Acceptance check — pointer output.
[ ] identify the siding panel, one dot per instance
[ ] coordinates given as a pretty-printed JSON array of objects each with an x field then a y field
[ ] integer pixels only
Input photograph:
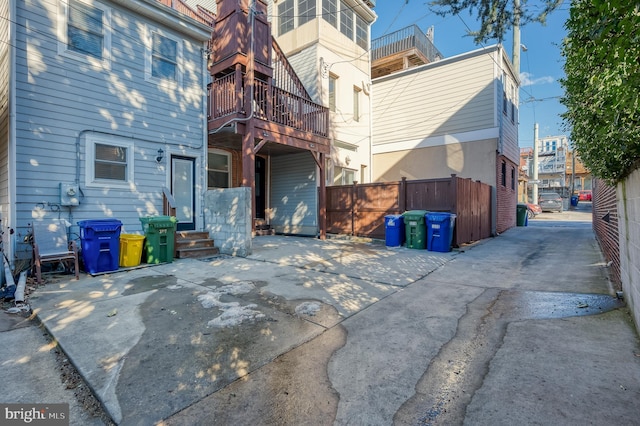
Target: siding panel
[
  {"x": 60, "y": 100},
  {"x": 434, "y": 101}
]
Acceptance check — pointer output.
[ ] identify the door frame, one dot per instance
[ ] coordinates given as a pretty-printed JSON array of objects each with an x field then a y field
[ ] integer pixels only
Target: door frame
[
  {"x": 264, "y": 195},
  {"x": 185, "y": 226}
]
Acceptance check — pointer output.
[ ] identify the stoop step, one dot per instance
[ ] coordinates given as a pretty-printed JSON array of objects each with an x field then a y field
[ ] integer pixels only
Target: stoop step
[{"x": 194, "y": 245}]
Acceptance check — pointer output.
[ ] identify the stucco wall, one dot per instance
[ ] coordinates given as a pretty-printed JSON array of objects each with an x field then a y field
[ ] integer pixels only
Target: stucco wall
[
  {"x": 475, "y": 160},
  {"x": 227, "y": 216},
  {"x": 629, "y": 238}
]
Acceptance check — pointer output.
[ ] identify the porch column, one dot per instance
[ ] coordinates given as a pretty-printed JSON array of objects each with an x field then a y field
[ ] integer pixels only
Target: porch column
[
  {"x": 322, "y": 198},
  {"x": 249, "y": 168}
]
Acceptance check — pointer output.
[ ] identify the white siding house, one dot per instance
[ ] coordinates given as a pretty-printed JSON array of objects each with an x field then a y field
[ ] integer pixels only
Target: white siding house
[
  {"x": 107, "y": 99},
  {"x": 457, "y": 115},
  {"x": 327, "y": 42}
]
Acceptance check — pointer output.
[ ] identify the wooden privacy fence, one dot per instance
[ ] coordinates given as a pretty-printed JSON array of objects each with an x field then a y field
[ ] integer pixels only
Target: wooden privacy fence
[{"x": 359, "y": 209}]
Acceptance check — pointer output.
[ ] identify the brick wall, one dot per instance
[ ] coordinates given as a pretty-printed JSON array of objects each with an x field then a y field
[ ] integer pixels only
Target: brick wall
[
  {"x": 605, "y": 226},
  {"x": 628, "y": 194},
  {"x": 506, "y": 193}
]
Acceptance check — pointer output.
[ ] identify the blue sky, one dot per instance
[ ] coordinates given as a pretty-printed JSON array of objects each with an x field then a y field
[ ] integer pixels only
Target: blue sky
[{"x": 540, "y": 66}]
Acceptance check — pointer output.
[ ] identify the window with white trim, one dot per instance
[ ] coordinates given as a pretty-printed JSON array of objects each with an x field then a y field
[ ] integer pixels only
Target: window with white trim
[
  {"x": 343, "y": 176},
  {"x": 218, "y": 169},
  {"x": 306, "y": 11},
  {"x": 362, "y": 32},
  {"x": 109, "y": 161},
  {"x": 164, "y": 57},
  {"x": 85, "y": 30},
  {"x": 346, "y": 20},
  {"x": 330, "y": 12},
  {"x": 333, "y": 83},
  {"x": 286, "y": 16}
]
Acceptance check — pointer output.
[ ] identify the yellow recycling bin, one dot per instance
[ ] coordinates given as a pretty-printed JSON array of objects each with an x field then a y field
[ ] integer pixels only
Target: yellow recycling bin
[{"x": 131, "y": 249}]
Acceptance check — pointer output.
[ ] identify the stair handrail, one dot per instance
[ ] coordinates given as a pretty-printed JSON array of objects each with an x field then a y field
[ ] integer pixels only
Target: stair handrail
[{"x": 168, "y": 202}]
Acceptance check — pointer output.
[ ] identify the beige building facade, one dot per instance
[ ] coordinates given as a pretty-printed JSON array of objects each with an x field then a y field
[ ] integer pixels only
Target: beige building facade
[{"x": 457, "y": 115}]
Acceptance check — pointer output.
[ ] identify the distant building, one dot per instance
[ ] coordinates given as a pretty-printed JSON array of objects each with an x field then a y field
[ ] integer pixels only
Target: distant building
[
  {"x": 552, "y": 162},
  {"x": 456, "y": 115}
]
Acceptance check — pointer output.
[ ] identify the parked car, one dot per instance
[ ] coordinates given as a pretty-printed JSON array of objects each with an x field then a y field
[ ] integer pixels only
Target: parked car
[
  {"x": 533, "y": 210},
  {"x": 584, "y": 195},
  {"x": 550, "y": 202}
]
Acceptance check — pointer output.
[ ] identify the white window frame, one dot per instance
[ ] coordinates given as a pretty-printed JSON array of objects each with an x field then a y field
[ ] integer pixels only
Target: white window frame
[
  {"x": 229, "y": 163},
  {"x": 308, "y": 14},
  {"x": 361, "y": 34},
  {"x": 342, "y": 175},
  {"x": 63, "y": 45},
  {"x": 286, "y": 17},
  {"x": 347, "y": 21},
  {"x": 148, "y": 58},
  {"x": 333, "y": 94},
  {"x": 330, "y": 12},
  {"x": 90, "y": 157}
]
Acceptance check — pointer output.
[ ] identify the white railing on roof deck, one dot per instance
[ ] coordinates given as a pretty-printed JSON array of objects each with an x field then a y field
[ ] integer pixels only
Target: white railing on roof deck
[{"x": 404, "y": 39}]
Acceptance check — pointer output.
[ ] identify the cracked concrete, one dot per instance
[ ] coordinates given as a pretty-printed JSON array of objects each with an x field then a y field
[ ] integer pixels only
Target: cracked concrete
[{"x": 521, "y": 328}]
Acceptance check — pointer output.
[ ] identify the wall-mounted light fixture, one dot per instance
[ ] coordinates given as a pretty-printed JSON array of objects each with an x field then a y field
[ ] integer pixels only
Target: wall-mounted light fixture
[{"x": 160, "y": 156}]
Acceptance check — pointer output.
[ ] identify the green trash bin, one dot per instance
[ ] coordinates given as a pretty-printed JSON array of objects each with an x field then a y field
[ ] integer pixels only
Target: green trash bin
[
  {"x": 521, "y": 217},
  {"x": 415, "y": 229},
  {"x": 160, "y": 234}
]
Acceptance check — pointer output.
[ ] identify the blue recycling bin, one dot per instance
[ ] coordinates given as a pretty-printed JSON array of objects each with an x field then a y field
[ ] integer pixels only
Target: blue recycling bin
[
  {"x": 440, "y": 231},
  {"x": 100, "y": 242},
  {"x": 574, "y": 200},
  {"x": 394, "y": 230}
]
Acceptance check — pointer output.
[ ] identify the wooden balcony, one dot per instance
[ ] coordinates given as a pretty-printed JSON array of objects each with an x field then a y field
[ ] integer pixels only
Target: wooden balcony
[{"x": 276, "y": 111}]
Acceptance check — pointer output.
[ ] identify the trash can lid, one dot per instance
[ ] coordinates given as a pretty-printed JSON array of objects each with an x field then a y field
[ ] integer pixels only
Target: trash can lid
[
  {"x": 101, "y": 224},
  {"x": 158, "y": 222},
  {"x": 415, "y": 213},
  {"x": 439, "y": 216}
]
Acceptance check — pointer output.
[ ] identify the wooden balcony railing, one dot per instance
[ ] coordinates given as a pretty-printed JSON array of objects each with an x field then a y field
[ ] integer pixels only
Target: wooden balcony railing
[
  {"x": 182, "y": 7},
  {"x": 269, "y": 103}
]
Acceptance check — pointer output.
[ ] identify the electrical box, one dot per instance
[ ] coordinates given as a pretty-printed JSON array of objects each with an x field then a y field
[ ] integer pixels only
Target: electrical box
[{"x": 69, "y": 194}]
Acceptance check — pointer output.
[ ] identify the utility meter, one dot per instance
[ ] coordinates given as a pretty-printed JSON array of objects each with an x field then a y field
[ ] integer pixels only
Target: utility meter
[{"x": 69, "y": 194}]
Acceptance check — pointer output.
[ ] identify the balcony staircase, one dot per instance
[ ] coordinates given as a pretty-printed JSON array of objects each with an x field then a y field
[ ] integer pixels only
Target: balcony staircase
[{"x": 194, "y": 245}]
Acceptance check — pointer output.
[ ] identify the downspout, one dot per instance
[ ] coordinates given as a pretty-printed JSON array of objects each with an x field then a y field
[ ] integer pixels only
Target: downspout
[
  {"x": 12, "y": 164},
  {"x": 370, "y": 171},
  {"x": 205, "y": 134},
  {"x": 503, "y": 78}
]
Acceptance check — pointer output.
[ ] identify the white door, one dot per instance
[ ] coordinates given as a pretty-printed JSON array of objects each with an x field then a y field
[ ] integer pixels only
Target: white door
[{"x": 183, "y": 191}]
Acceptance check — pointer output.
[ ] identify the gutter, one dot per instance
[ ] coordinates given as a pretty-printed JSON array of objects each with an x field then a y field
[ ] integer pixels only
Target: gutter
[{"x": 173, "y": 19}]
